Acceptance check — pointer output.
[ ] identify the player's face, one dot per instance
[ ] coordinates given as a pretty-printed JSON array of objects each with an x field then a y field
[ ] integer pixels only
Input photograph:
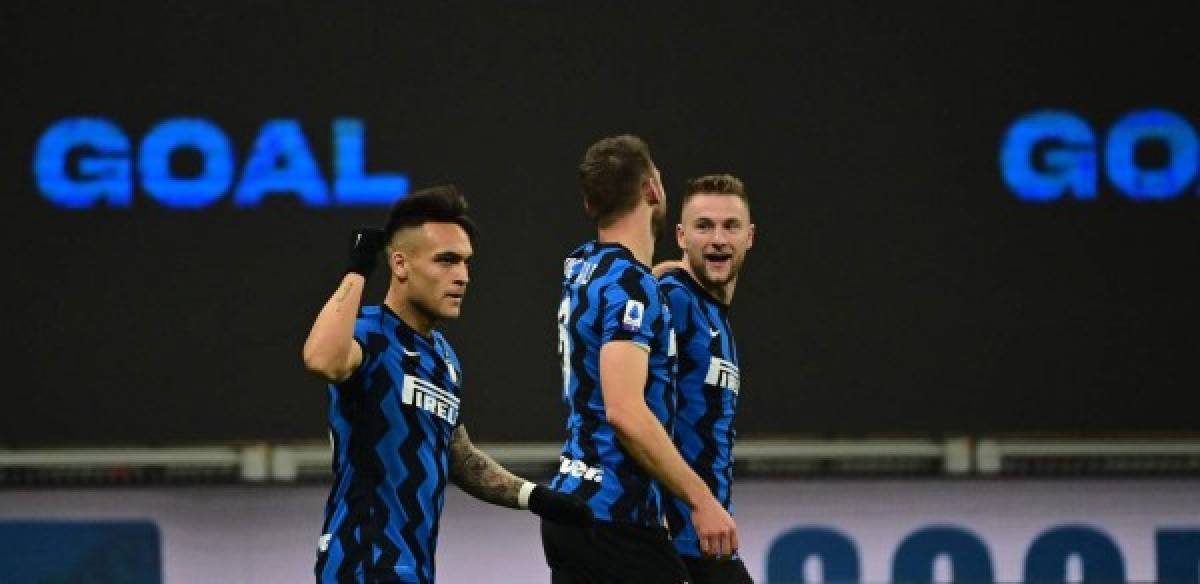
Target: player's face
[
  {"x": 437, "y": 270},
  {"x": 714, "y": 236}
]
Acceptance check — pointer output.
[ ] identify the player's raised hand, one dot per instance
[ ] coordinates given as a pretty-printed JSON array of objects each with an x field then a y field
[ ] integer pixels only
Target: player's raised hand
[
  {"x": 715, "y": 528},
  {"x": 365, "y": 244}
]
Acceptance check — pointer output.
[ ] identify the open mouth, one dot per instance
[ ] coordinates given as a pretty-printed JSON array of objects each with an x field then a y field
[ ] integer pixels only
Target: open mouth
[
  {"x": 456, "y": 295},
  {"x": 718, "y": 258}
]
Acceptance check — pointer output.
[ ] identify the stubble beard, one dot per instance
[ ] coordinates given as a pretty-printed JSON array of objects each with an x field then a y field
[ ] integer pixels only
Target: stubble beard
[{"x": 700, "y": 269}]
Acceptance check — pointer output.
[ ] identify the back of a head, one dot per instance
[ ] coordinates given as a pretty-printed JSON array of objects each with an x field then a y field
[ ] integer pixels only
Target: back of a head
[
  {"x": 611, "y": 175},
  {"x": 439, "y": 204}
]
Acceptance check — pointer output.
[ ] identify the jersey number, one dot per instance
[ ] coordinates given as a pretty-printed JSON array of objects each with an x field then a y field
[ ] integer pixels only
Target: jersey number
[{"x": 564, "y": 344}]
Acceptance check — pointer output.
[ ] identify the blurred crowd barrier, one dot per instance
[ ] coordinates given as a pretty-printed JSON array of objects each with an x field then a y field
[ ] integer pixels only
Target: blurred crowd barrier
[{"x": 786, "y": 458}]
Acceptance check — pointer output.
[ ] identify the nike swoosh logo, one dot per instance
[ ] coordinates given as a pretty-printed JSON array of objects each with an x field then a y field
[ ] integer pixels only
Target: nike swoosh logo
[{"x": 411, "y": 353}]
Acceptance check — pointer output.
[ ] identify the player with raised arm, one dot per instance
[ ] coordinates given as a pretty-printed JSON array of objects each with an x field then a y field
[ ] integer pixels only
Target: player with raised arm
[
  {"x": 714, "y": 233},
  {"x": 617, "y": 354},
  {"x": 395, "y": 387}
]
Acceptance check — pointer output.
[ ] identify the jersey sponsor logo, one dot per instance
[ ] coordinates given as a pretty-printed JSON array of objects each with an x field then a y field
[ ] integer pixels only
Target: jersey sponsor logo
[
  {"x": 422, "y": 394},
  {"x": 713, "y": 333},
  {"x": 580, "y": 470},
  {"x": 722, "y": 373},
  {"x": 634, "y": 312}
]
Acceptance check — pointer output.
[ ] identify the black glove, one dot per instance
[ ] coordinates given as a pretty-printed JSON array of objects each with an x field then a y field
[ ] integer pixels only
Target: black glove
[
  {"x": 560, "y": 508},
  {"x": 364, "y": 250}
]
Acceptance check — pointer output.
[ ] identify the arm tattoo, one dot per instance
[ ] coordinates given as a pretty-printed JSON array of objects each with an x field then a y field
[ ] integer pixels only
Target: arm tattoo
[{"x": 481, "y": 477}]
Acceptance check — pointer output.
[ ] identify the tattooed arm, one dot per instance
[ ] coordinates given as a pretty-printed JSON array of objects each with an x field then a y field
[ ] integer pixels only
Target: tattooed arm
[
  {"x": 481, "y": 477},
  {"x": 331, "y": 351}
]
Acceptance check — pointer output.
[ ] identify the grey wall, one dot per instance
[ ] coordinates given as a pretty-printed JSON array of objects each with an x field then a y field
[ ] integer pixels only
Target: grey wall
[{"x": 267, "y": 535}]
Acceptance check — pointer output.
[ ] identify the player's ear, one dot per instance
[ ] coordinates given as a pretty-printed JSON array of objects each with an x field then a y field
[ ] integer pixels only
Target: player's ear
[
  {"x": 398, "y": 262},
  {"x": 750, "y": 237},
  {"x": 651, "y": 193},
  {"x": 679, "y": 236}
]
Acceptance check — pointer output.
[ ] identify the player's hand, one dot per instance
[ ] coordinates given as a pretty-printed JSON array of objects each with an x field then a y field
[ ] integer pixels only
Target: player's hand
[
  {"x": 663, "y": 267},
  {"x": 365, "y": 244},
  {"x": 560, "y": 507},
  {"x": 715, "y": 528}
]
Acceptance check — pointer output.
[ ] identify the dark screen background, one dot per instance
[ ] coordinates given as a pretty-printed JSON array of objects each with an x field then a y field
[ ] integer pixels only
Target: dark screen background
[{"x": 896, "y": 285}]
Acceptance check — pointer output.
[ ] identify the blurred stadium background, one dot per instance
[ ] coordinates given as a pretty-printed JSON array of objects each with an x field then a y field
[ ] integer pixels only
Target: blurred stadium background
[{"x": 969, "y": 323}]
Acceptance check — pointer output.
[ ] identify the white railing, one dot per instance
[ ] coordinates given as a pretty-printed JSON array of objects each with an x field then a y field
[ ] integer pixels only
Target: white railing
[
  {"x": 285, "y": 462},
  {"x": 990, "y": 454}
]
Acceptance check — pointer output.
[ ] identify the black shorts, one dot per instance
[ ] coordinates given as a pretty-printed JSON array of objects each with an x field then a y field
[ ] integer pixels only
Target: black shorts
[
  {"x": 611, "y": 553},
  {"x": 714, "y": 571}
]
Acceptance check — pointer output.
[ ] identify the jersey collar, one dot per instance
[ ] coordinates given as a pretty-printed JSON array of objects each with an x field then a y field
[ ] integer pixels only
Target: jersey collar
[
  {"x": 686, "y": 277},
  {"x": 406, "y": 328},
  {"x": 621, "y": 249}
]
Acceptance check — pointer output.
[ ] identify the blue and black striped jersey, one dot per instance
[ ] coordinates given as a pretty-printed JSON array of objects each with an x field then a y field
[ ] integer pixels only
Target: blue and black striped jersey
[
  {"x": 391, "y": 424},
  {"x": 607, "y": 295},
  {"x": 706, "y": 397}
]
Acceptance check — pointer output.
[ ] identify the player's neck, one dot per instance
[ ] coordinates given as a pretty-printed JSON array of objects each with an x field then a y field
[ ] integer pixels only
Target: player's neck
[
  {"x": 723, "y": 293},
  {"x": 416, "y": 319},
  {"x": 634, "y": 231},
  {"x": 726, "y": 295}
]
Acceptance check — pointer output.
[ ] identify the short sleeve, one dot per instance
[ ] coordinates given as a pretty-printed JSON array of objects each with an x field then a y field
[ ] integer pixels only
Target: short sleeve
[
  {"x": 631, "y": 306},
  {"x": 369, "y": 340}
]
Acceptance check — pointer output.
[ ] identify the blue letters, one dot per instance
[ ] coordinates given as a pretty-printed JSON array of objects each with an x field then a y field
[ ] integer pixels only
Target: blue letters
[
  {"x": 80, "y": 163},
  {"x": 1067, "y": 163},
  {"x": 1178, "y": 556},
  {"x": 1046, "y": 561},
  {"x": 1061, "y": 554},
  {"x": 281, "y": 162},
  {"x": 789, "y": 552},
  {"x": 103, "y": 169},
  {"x": 967, "y": 555},
  {"x": 1183, "y": 157},
  {"x": 1048, "y": 154},
  {"x": 155, "y": 163},
  {"x": 352, "y": 185}
]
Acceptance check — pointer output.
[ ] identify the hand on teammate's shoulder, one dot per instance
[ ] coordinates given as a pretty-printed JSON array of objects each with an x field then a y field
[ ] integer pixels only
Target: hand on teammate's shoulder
[{"x": 662, "y": 268}]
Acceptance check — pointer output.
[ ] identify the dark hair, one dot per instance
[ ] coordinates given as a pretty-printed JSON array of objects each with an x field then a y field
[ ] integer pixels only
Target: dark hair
[
  {"x": 611, "y": 174},
  {"x": 719, "y": 184},
  {"x": 440, "y": 204}
]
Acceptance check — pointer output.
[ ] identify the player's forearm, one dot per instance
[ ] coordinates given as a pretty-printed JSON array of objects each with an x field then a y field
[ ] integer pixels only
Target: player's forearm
[
  {"x": 480, "y": 476},
  {"x": 647, "y": 441},
  {"x": 330, "y": 342}
]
